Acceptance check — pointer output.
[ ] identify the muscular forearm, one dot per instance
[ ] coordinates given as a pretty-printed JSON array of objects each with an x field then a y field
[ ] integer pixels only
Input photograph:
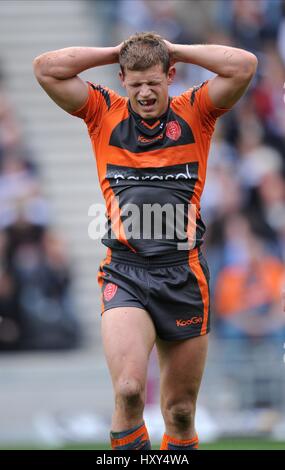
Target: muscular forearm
[
  {"x": 66, "y": 63},
  {"x": 222, "y": 60}
]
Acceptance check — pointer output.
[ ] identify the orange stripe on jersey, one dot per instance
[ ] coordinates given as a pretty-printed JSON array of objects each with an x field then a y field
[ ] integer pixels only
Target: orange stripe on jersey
[
  {"x": 107, "y": 260},
  {"x": 150, "y": 126},
  {"x": 114, "y": 212},
  {"x": 203, "y": 286},
  {"x": 152, "y": 158}
]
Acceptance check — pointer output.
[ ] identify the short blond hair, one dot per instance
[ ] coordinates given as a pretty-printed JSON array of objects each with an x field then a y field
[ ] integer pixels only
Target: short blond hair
[{"x": 143, "y": 50}]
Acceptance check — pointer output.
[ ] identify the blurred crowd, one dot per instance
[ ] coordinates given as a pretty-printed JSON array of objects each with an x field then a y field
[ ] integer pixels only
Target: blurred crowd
[
  {"x": 36, "y": 307},
  {"x": 244, "y": 198}
]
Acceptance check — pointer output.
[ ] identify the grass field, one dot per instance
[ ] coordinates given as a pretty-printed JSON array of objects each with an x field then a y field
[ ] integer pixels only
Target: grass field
[{"x": 226, "y": 444}]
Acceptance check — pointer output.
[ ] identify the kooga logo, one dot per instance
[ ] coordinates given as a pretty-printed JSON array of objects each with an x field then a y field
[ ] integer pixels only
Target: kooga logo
[{"x": 191, "y": 321}]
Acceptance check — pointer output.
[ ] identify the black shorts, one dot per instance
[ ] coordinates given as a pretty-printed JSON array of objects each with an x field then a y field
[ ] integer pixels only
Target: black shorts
[{"x": 173, "y": 288}]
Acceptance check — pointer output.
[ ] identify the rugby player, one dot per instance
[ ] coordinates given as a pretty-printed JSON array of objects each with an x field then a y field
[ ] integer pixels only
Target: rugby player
[{"x": 151, "y": 149}]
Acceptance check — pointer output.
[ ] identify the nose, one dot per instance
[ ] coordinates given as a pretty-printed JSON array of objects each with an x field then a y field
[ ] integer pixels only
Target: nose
[{"x": 144, "y": 91}]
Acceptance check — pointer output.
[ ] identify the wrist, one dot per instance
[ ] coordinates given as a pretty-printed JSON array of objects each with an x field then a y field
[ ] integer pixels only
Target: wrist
[
  {"x": 174, "y": 53},
  {"x": 116, "y": 51},
  {"x": 181, "y": 52}
]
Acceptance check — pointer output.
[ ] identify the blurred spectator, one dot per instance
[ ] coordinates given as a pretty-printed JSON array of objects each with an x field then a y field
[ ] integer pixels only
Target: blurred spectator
[
  {"x": 9, "y": 315},
  {"x": 281, "y": 34},
  {"x": 43, "y": 278},
  {"x": 148, "y": 15},
  {"x": 268, "y": 100},
  {"x": 16, "y": 179},
  {"x": 248, "y": 288},
  {"x": 36, "y": 292},
  {"x": 250, "y": 22}
]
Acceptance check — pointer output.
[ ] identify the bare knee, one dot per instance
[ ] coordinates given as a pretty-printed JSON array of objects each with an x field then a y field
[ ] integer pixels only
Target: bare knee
[
  {"x": 130, "y": 395},
  {"x": 179, "y": 415}
]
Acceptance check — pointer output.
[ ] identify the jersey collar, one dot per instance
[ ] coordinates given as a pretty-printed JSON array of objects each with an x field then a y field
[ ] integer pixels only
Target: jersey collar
[{"x": 150, "y": 127}]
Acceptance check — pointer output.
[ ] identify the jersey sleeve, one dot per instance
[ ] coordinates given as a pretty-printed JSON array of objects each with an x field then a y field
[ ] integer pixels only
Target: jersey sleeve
[
  {"x": 99, "y": 101},
  {"x": 200, "y": 103}
]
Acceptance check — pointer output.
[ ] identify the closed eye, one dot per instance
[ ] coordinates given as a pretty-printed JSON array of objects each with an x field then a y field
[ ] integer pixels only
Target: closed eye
[{"x": 135, "y": 85}]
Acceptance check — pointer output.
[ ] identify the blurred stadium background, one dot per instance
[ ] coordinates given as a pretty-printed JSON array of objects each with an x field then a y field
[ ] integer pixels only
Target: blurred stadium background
[{"x": 54, "y": 385}]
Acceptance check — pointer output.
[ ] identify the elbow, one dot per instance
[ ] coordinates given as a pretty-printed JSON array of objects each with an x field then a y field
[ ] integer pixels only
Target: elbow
[
  {"x": 252, "y": 64},
  {"x": 42, "y": 66},
  {"x": 39, "y": 66},
  {"x": 248, "y": 66}
]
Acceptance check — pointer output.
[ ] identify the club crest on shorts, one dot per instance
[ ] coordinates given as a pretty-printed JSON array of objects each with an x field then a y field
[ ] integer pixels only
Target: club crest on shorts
[
  {"x": 173, "y": 130},
  {"x": 109, "y": 291}
]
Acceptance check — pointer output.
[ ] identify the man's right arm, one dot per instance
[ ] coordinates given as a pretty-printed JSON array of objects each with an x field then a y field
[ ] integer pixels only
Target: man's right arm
[{"x": 57, "y": 71}]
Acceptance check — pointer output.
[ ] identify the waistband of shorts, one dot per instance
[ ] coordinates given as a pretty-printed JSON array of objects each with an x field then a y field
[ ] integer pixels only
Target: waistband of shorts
[{"x": 163, "y": 259}]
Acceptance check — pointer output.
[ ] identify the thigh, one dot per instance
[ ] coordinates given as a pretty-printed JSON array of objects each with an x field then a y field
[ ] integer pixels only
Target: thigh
[
  {"x": 128, "y": 336},
  {"x": 181, "y": 365}
]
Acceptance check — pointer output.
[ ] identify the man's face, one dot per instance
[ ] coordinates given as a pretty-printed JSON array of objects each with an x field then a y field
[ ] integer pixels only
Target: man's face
[{"x": 148, "y": 90}]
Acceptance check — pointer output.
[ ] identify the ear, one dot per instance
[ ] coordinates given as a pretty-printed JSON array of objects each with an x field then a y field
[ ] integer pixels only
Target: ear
[
  {"x": 171, "y": 74},
  {"x": 122, "y": 79}
]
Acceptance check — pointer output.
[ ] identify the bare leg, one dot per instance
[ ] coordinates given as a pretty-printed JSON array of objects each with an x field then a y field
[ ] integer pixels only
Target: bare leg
[
  {"x": 182, "y": 365},
  {"x": 128, "y": 337}
]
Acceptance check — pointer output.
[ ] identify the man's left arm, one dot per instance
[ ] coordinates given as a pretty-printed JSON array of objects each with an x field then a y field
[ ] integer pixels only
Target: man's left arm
[{"x": 234, "y": 68}]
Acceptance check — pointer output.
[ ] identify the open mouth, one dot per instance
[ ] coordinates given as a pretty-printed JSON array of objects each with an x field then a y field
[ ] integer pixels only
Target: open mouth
[{"x": 147, "y": 103}]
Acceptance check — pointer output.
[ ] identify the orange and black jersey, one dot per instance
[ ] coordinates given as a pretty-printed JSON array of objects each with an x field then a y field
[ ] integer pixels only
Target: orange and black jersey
[{"x": 147, "y": 165}]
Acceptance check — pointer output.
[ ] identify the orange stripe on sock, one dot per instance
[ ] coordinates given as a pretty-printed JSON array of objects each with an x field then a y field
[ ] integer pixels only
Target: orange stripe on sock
[
  {"x": 141, "y": 432},
  {"x": 178, "y": 442}
]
